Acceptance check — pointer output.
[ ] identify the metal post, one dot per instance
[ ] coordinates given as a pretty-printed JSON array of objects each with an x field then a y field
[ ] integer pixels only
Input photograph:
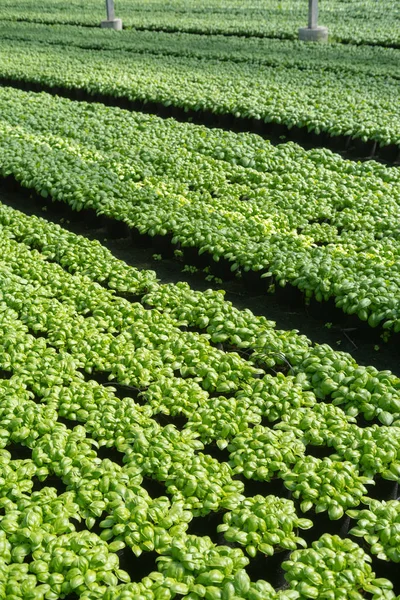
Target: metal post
[
  {"x": 312, "y": 14},
  {"x": 110, "y": 10}
]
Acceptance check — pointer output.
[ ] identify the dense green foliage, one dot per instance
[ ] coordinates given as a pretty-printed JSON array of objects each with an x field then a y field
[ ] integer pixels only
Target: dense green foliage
[
  {"x": 362, "y": 104},
  {"x": 372, "y": 60},
  {"x": 157, "y": 443},
  {"x": 354, "y": 21},
  {"x": 75, "y": 458},
  {"x": 379, "y": 527},
  {"x": 311, "y": 219}
]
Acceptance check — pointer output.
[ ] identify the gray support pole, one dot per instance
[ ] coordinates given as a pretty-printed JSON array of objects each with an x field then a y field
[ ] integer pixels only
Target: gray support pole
[
  {"x": 112, "y": 22},
  {"x": 312, "y": 14},
  {"x": 110, "y": 10},
  {"x": 313, "y": 33}
]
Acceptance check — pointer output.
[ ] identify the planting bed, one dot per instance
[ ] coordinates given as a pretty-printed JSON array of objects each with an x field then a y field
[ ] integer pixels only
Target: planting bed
[
  {"x": 220, "y": 407},
  {"x": 336, "y": 57},
  {"x": 309, "y": 223},
  {"x": 360, "y": 105},
  {"x": 162, "y": 438},
  {"x": 350, "y": 21},
  {"x": 363, "y": 343}
]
